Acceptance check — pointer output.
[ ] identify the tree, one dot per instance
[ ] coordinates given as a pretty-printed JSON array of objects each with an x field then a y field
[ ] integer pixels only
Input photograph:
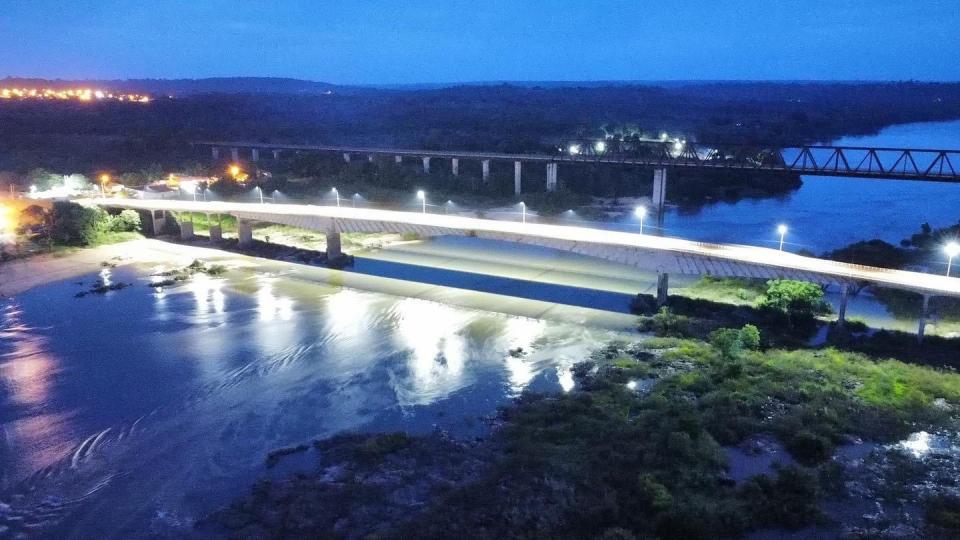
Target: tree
[
  {"x": 794, "y": 298},
  {"x": 75, "y": 225}
]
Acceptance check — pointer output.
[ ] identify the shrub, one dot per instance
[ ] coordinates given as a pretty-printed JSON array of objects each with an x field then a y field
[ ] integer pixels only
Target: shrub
[
  {"x": 750, "y": 337},
  {"x": 809, "y": 448},
  {"x": 727, "y": 341},
  {"x": 75, "y": 225},
  {"x": 794, "y": 298},
  {"x": 125, "y": 221}
]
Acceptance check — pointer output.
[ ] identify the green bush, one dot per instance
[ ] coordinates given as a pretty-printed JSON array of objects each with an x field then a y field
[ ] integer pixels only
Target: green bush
[
  {"x": 800, "y": 299},
  {"x": 75, "y": 225},
  {"x": 125, "y": 221},
  {"x": 750, "y": 337},
  {"x": 727, "y": 341}
]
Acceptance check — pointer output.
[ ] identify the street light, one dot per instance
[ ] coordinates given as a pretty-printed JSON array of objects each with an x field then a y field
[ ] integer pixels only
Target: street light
[
  {"x": 260, "y": 191},
  {"x": 523, "y": 211},
  {"x": 782, "y": 230},
  {"x": 574, "y": 149},
  {"x": 600, "y": 147},
  {"x": 640, "y": 212},
  {"x": 337, "y": 195},
  {"x": 104, "y": 178},
  {"x": 423, "y": 198},
  {"x": 952, "y": 249},
  {"x": 234, "y": 171}
]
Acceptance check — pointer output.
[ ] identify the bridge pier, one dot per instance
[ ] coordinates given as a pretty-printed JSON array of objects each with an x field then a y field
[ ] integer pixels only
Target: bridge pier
[
  {"x": 346, "y": 157},
  {"x": 455, "y": 166},
  {"x": 276, "y": 155},
  {"x": 426, "y": 165},
  {"x": 216, "y": 231},
  {"x": 551, "y": 176},
  {"x": 663, "y": 280},
  {"x": 842, "y": 309},
  {"x": 924, "y": 315},
  {"x": 398, "y": 159},
  {"x": 255, "y": 154},
  {"x": 244, "y": 232},
  {"x": 235, "y": 155},
  {"x": 215, "y": 152},
  {"x": 186, "y": 227},
  {"x": 159, "y": 221},
  {"x": 516, "y": 177},
  {"x": 370, "y": 158},
  {"x": 660, "y": 195},
  {"x": 333, "y": 246}
]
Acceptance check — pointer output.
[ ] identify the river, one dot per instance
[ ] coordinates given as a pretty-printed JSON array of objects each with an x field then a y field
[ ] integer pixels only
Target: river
[{"x": 134, "y": 413}]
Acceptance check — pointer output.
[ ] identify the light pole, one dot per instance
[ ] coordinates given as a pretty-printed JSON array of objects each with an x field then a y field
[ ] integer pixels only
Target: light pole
[
  {"x": 337, "y": 195},
  {"x": 952, "y": 249},
  {"x": 104, "y": 178},
  {"x": 523, "y": 211},
  {"x": 782, "y": 229},
  {"x": 423, "y": 199},
  {"x": 260, "y": 191},
  {"x": 640, "y": 212}
]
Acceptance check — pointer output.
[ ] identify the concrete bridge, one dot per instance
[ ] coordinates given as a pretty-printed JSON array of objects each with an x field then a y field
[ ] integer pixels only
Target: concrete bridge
[
  {"x": 659, "y": 154},
  {"x": 665, "y": 255}
]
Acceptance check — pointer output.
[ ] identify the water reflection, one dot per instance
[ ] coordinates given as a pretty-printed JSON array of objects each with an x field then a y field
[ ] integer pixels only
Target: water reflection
[{"x": 271, "y": 306}]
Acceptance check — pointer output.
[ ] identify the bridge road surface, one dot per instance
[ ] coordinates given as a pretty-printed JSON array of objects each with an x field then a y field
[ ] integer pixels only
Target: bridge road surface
[{"x": 663, "y": 254}]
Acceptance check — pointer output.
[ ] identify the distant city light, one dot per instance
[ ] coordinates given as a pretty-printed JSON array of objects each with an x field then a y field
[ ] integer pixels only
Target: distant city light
[{"x": 70, "y": 94}]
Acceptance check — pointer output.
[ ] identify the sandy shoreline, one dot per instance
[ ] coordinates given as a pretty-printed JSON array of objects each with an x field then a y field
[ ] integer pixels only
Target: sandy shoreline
[{"x": 22, "y": 275}]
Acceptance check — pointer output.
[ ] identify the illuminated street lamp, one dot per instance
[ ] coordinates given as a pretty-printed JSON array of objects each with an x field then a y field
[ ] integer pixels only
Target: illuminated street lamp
[
  {"x": 640, "y": 212},
  {"x": 260, "y": 191},
  {"x": 337, "y": 195},
  {"x": 104, "y": 179},
  {"x": 952, "y": 249},
  {"x": 423, "y": 199},
  {"x": 234, "y": 171},
  {"x": 600, "y": 147},
  {"x": 782, "y": 230},
  {"x": 574, "y": 149},
  {"x": 523, "y": 211}
]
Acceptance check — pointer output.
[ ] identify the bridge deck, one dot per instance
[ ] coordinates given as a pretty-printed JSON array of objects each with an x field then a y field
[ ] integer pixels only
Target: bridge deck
[{"x": 667, "y": 254}]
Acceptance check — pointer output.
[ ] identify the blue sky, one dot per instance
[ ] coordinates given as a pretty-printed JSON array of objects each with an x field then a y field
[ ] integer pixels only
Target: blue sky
[{"x": 371, "y": 41}]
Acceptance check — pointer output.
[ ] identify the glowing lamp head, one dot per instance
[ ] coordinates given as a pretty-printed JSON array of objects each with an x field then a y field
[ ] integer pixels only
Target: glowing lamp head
[
  {"x": 600, "y": 147},
  {"x": 952, "y": 249},
  {"x": 640, "y": 212},
  {"x": 234, "y": 171},
  {"x": 523, "y": 204},
  {"x": 781, "y": 229},
  {"x": 574, "y": 149},
  {"x": 334, "y": 191},
  {"x": 421, "y": 195},
  {"x": 104, "y": 178}
]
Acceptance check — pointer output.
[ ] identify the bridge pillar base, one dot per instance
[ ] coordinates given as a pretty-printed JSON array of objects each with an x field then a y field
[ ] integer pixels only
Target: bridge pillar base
[
  {"x": 924, "y": 314},
  {"x": 842, "y": 310},
  {"x": 216, "y": 233},
  {"x": 485, "y": 168},
  {"x": 215, "y": 152},
  {"x": 186, "y": 230},
  {"x": 346, "y": 157},
  {"x": 516, "y": 178},
  {"x": 426, "y": 165},
  {"x": 455, "y": 167},
  {"x": 334, "y": 251},
  {"x": 276, "y": 154},
  {"x": 398, "y": 159},
  {"x": 235, "y": 155},
  {"x": 660, "y": 195},
  {"x": 255, "y": 154},
  {"x": 663, "y": 280},
  {"x": 158, "y": 220},
  {"x": 244, "y": 232},
  {"x": 551, "y": 176}
]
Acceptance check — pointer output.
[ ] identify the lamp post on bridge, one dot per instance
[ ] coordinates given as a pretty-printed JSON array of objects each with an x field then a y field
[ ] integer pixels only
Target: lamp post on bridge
[
  {"x": 337, "y": 195},
  {"x": 423, "y": 199},
  {"x": 782, "y": 229},
  {"x": 523, "y": 211},
  {"x": 952, "y": 249},
  {"x": 641, "y": 212}
]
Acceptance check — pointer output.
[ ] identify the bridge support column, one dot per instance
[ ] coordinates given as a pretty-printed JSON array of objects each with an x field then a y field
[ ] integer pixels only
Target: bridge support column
[
  {"x": 235, "y": 155},
  {"x": 398, "y": 159},
  {"x": 663, "y": 280},
  {"x": 516, "y": 177},
  {"x": 215, "y": 152},
  {"x": 186, "y": 227},
  {"x": 216, "y": 231},
  {"x": 276, "y": 154},
  {"x": 485, "y": 170},
  {"x": 244, "y": 232},
  {"x": 159, "y": 219},
  {"x": 255, "y": 154},
  {"x": 551, "y": 176},
  {"x": 426, "y": 165},
  {"x": 346, "y": 157},
  {"x": 924, "y": 314},
  {"x": 455, "y": 166},
  {"x": 660, "y": 195},
  {"x": 333, "y": 246},
  {"x": 842, "y": 310},
  {"x": 370, "y": 158}
]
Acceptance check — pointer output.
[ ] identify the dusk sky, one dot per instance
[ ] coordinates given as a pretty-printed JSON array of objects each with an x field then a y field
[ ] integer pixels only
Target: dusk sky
[{"x": 370, "y": 42}]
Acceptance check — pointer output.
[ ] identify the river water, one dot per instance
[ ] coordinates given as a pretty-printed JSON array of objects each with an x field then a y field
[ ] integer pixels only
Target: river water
[{"x": 134, "y": 413}]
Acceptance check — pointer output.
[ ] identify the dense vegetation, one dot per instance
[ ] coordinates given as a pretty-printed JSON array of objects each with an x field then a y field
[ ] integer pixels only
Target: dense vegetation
[{"x": 71, "y": 224}]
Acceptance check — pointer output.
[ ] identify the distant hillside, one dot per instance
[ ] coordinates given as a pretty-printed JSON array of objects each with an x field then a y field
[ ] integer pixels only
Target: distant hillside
[{"x": 186, "y": 87}]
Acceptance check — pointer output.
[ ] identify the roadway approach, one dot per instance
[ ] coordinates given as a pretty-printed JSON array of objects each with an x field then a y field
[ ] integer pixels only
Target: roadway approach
[{"x": 665, "y": 255}]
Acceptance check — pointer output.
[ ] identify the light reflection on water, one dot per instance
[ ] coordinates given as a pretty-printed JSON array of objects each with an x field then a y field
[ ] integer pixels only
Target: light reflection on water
[{"x": 165, "y": 402}]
